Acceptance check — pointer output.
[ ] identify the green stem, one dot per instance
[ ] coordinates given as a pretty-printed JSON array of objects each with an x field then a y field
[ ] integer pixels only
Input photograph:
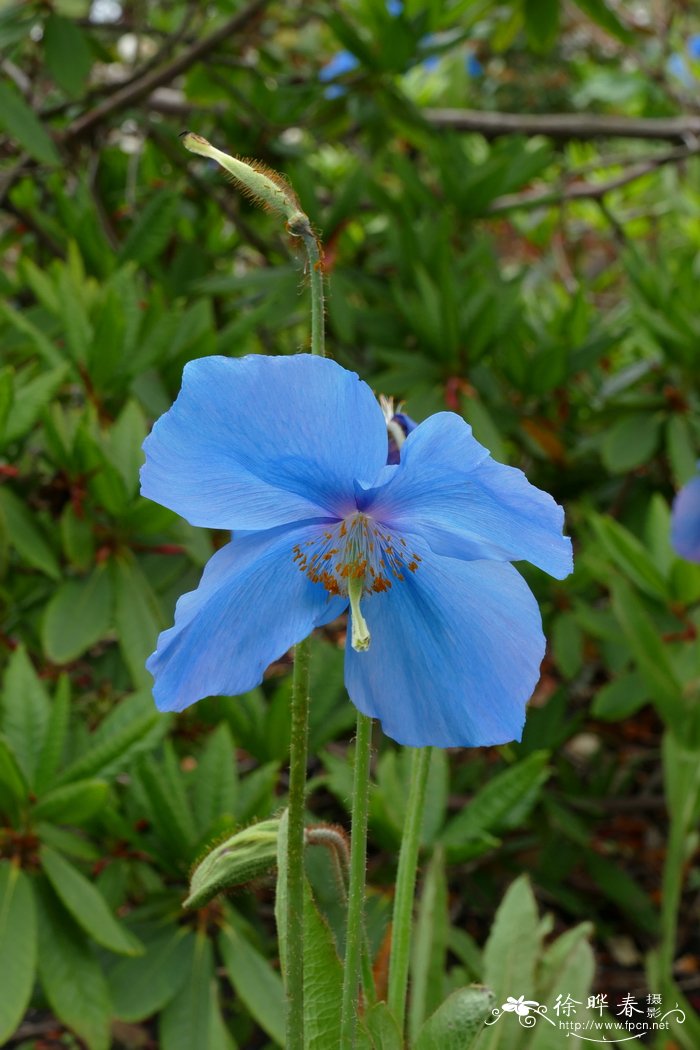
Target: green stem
[
  {"x": 300, "y": 730},
  {"x": 313, "y": 254},
  {"x": 295, "y": 848},
  {"x": 356, "y": 888},
  {"x": 402, "y": 921}
]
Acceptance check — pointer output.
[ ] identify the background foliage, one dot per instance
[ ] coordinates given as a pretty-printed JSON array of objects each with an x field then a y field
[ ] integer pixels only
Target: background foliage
[{"x": 543, "y": 286}]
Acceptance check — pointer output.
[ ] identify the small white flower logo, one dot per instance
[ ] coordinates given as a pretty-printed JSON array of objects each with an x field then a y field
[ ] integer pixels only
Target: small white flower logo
[{"x": 520, "y": 1006}]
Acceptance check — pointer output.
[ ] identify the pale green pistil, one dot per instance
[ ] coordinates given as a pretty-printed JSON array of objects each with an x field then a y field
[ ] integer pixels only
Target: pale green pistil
[{"x": 360, "y": 637}]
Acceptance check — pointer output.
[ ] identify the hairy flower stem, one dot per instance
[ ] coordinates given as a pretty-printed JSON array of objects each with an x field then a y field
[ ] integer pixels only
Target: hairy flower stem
[
  {"x": 354, "y": 938},
  {"x": 295, "y": 848},
  {"x": 402, "y": 921},
  {"x": 313, "y": 254},
  {"x": 299, "y": 226}
]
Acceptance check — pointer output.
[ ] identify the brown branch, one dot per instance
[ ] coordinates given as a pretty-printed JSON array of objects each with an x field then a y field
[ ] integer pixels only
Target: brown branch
[
  {"x": 136, "y": 90},
  {"x": 589, "y": 190},
  {"x": 565, "y": 126}
]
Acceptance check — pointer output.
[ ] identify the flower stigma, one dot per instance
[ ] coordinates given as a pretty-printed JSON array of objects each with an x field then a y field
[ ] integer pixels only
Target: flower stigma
[
  {"x": 360, "y": 636},
  {"x": 356, "y": 557}
]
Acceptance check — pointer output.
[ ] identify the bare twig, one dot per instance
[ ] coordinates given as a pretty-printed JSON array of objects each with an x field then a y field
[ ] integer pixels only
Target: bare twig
[
  {"x": 133, "y": 92},
  {"x": 566, "y": 126},
  {"x": 590, "y": 190}
]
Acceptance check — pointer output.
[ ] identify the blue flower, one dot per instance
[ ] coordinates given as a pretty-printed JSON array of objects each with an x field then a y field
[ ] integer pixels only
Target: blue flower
[
  {"x": 291, "y": 454},
  {"x": 685, "y": 521},
  {"x": 341, "y": 63}
]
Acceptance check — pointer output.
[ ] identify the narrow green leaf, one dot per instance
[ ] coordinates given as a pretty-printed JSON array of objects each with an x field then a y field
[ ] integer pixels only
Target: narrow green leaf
[
  {"x": 603, "y": 15},
  {"x": 505, "y": 799},
  {"x": 620, "y": 698},
  {"x": 137, "y": 616},
  {"x": 429, "y": 947},
  {"x": 68, "y": 54},
  {"x": 619, "y": 887},
  {"x": 41, "y": 343},
  {"x": 323, "y": 971},
  {"x": 87, "y": 905},
  {"x": 25, "y": 712},
  {"x": 630, "y": 442},
  {"x": 514, "y": 942},
  {"x": 629, "y": 555},
  {"x": 170, "y": 807},
  {"x": 142, "y": 986},
  {"x": 381, "y": 1029},
  {"x": 31, "y": 398},
  {"x": 25, "y": 537},
  {"x": 71, "y": 976},
  {"x": 112, "y": 753},
  {"x": 152, "y": 229},
  {"x": 541, "y": 24},
  {"x": 78, "y": 615},
  {"x": 72, "y": 803},
  {"x": 214, "y": 794},
  {"x": 257, "y": 985},
  {"x": 17, "y": 119},
  {"x": 13, "y": 787},
  {"x": 186, "y": 1021},
  {"x": 18, "y": 946},
  {"x": 649, "y": 651}
]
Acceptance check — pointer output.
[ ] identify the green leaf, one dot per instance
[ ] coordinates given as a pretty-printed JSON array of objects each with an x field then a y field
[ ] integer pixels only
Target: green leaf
[
  {"x": 68, "y": 54},
  {"x": 138, "y": 617},
  {"x": 44, "y": 347},
  {"x": 20, "y": 123},
  {"x": 77, "y": 538},
  {"x": 111, "y": 753},
  {"x": 18, "y": 946},
  {"x": 152, "y": 229},
  {"x": 502, "y": 803},
  {"x": 630, "y": 442},
  {"x": 186, "y": 1020},
  {"x": 13, "y": 787},
  {"x": 681, "y": 446},
  {"x": 541, "y": 24},
  {"x": 25, "y": 537},
  {"x": 619, "y": 887},
  {"x": 87, "y": 905},
  {"x": 429, "y": 947},
  {"x": 72, "y": 803},
  {"x": 31, "y": 398},
  {"x": 71, "y": 976},
  {"x": 620, "y": 698},
  {"x": 458, "y": 1020},
  {"x": 78, "y": 615},
  {"x": 600, "y": 13},
  {"x": 142, "y": 986},
  {"x": 256, "y": 984},
  {"x": 629, "y": 555},
  {"x": 567, "y": 644},
  {"x": 568, "y": 963},
  {"x": 380, "y": 1027},
  {"x": 6, "y": 400},
  {"x": 25, "y": 712},
  {"x": 513, "y": 944},
  {"x": 170, "y": 807},
  {"x": 215, "y": 783},
  {"x": 652, "y": 658},
  {"x": 323, "y": 971}
]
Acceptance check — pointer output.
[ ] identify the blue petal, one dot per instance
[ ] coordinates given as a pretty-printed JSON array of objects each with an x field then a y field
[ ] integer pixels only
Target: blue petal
[
  {"x": 454, "y": 655},
  {"x": 465, "y": 504},
  {"x": 685, "y": 521},
  {"x": 255, "y": 442},
  {"x": 251, "y": 606}
]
